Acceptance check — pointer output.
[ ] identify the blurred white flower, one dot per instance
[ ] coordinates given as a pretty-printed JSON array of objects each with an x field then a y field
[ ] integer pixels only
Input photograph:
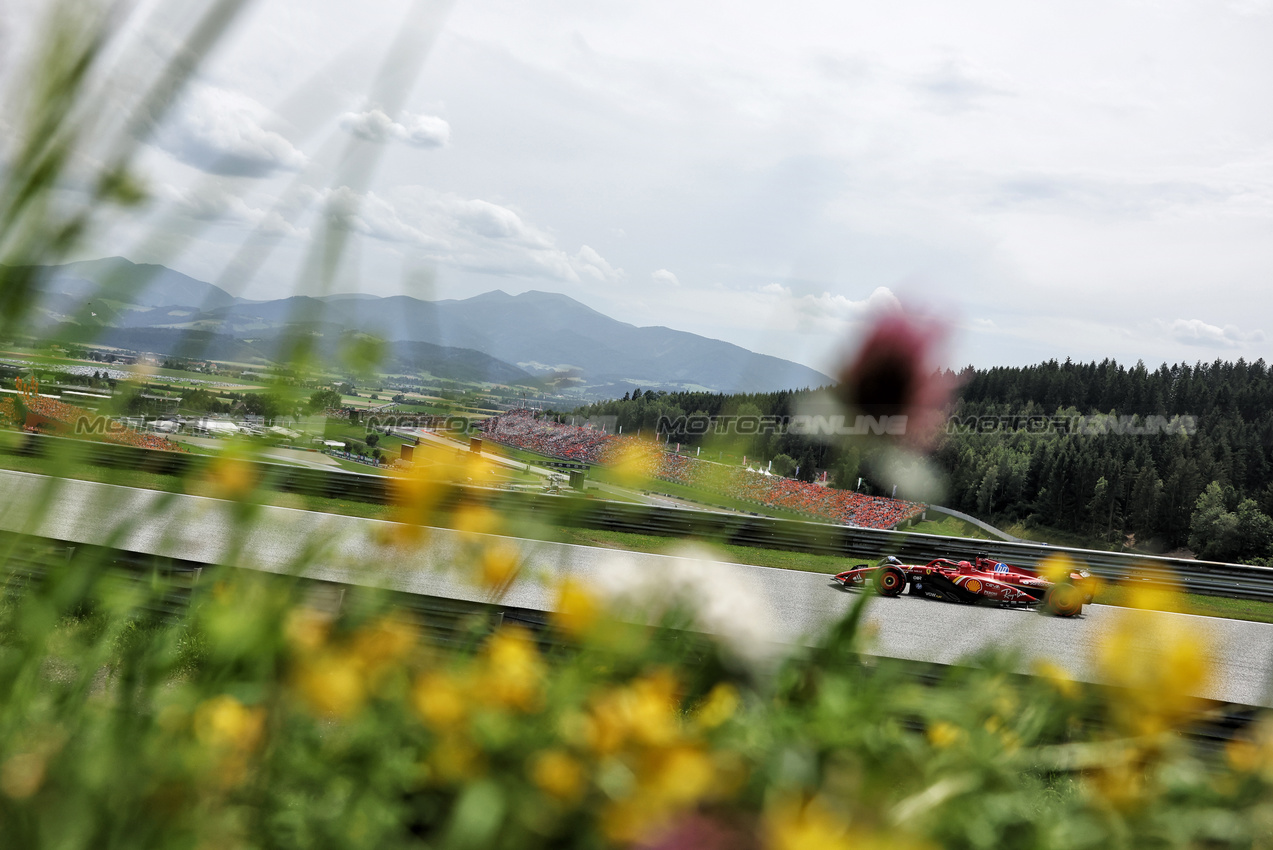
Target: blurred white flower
[{"x": 722, "y": 600}]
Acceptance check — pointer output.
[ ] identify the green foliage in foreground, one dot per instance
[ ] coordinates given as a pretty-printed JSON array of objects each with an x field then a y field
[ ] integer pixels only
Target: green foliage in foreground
[
  {"x": 259, "y": 717},
  {"x": 259, "y": 711}
]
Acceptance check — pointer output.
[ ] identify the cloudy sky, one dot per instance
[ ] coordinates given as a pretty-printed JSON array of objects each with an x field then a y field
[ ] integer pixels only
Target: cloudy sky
[{"x": 1056, "y": 179}]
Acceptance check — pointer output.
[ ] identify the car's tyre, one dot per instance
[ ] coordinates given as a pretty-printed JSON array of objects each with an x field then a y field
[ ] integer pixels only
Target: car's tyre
[
  {"x": 1063, "y": 600},
  {"x": 890, "y": 581}
]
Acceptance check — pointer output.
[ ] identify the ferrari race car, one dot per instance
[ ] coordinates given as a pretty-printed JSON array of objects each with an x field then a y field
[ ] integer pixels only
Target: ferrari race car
[{"x": 982, "y": 580}]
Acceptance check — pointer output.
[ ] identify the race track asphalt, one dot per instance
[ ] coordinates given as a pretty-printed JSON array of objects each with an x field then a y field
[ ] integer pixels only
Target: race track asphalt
[{"x": 787, "y": 606}]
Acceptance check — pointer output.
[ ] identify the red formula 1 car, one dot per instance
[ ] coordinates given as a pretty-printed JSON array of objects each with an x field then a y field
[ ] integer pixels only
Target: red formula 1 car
[{"x": 982, "y": 580}]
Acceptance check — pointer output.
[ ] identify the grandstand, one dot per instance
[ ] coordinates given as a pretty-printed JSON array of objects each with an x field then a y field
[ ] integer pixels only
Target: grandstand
[
  {"x": 50, "y": 415},
  {"x": 524, "y": 430}
]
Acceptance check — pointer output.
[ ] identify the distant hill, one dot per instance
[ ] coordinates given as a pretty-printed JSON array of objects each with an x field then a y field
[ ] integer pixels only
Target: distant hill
[
  {"x": 543, "y": 334},
  {"x": 138, "y": 285},
  {"x": 403, "y": 357}
]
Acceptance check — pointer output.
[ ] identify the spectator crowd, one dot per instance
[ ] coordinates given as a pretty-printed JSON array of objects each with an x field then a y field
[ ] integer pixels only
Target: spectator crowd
[
  {"x": 54, "y": 416},
  {"x": 521, "y": 428},
  {"x": 524, "y": 430}
]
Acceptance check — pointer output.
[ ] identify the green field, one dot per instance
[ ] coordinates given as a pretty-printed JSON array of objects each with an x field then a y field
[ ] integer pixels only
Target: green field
[
  {"x": 949, "y": 526},
  {"x": 343, "y": 429},
  {"x": 706, "y": 498},
  {"x": 55, "y": 362}
]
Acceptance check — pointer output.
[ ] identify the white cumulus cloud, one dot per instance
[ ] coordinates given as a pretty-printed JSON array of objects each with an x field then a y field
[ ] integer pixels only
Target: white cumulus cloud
[
  {"x": 590, "y": 265},
  {"x": 1200, "y": 333},
  {"x": 223, "y": 132},
  {"x": 828, "y": 305},
  {"x": 420, "y": 131},
  {"x": 494, "y": 221},
  {"x": 665, "y": 276},
  {"x": 213, "y": 203},
  {"x": 371, "y": 215},
  {"x": 468, "y": 233},
  {"x": 825, "y": 311}
]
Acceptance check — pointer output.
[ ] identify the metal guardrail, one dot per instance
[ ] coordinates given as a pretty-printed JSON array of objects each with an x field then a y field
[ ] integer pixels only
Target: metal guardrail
[{"x": 1205, "y": 578}]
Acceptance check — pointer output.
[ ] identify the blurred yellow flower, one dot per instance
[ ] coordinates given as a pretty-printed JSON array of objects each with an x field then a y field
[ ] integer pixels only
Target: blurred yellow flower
[
  {"x": 668, "y": 782},
  {"x": 382, "y": 643},
  {"x": 306, "y": 629},
  {"x": 231, "y": 477},
  {"x": 577, "y": 609},
  {"x": 232, "y": 731},
  {"x": 628, "y": 821},
  {"x": 1245, "y": 756},
  {"x": 471, "y": 520},
  {"x": 476, "y": 468},
  {"x": 631, "y": 463},
  {"x": 22, "y": 774},
  {"x": 439, "y": 698},
  {"x": 514, "y": 673},
  {"x": 1057, "y": 567},
  {"x": 676, "y": 776},
  {"x": 812, "y": 826},
  {"x": 558, "y": 774},
  {"x": 334, "y": 680},
  {"x": 224, "y": 722},
  {"x": 720, "y": 704},
  {"x": 645, "y": 711},
  {"x": 944, "y": 734},
  {"x": 331, "y": 683},
  {"x": 415, "y": 498},
  {"x": 1121, "y": 782},
  {"x": 653, "y": 707},
  {"x": 1160, "y": 659},
  {"x": 1155, "y": 595},
  {"x": 1057, "y": 677},
  {"x": 500, "y": 564},
  {"x": 1254, "y": 753}
]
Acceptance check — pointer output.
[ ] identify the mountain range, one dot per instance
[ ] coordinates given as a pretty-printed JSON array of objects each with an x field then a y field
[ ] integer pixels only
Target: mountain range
[{"x": 534, "y": 338}]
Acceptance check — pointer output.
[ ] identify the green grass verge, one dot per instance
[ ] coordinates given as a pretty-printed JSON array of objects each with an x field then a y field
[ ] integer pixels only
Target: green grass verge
[
  {"x": 1202, "y": 606},
  {"x": 1056, "y": 537},
  {"x": 355, "y": 466},
  {"x": 829, "y": 564},
  {"x": 342, "y": 429},
  {"x": 706, "y": 498},
  {"x": 193, "y": 486},
  {"x": 949, "y": 526}
]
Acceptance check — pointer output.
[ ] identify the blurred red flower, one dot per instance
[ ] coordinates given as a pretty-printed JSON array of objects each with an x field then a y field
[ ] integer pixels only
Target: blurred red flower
[
  {"x": 896, "y": 373},
  {"x": 704, "y": 832}
]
